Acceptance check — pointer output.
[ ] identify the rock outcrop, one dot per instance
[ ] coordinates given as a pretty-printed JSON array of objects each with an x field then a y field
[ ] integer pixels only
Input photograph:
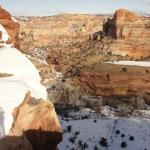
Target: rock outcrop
[
  {"x": 126, "y": 24},
  {"x": 37, "y": 121},
  {"x": 132, "y": 33},
  {"x": 11, "y": 26}
]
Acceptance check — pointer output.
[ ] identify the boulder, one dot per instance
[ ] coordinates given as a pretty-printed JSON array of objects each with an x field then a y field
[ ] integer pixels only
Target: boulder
[{"x": 38, "y": 122}]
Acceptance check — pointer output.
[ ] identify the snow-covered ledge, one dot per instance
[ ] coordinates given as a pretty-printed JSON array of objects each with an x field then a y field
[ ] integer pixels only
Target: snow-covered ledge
[
  {"x": 13, "y": 89},
  {"x": 131, "y": 63}
]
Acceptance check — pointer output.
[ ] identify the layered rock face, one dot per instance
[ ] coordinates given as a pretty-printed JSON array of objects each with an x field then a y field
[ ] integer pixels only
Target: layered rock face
[
  {"x": 130, "y": 25},
  {"x": 11, "y": 26},
  {"x": 132, "y": 33},
  {"x": 37, "y": 121},
  {"x": 65, "y": 40},
  {"x": 54, "y": 32},
  {"x": 76, "y": 46}
]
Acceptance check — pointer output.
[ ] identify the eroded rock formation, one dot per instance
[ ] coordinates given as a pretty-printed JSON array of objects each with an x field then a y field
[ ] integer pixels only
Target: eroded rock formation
[
  {"x": 76, "y": 45},
  {"x": 38, "y": 122},
  {"x": 132, "y": 32},
  {"x": 11, "y": 26}
]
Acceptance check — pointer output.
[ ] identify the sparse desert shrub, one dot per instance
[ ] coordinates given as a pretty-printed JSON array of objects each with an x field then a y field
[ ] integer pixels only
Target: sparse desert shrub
[
  {"x": 77, "y": 133},
  {"x": 131, "y": 138},
  {"x": 69, "y": 128},
  {"x": 122, "y": 135},
  {"x": 117, "y": 131},
  {"x": 123, "y": 144},
  {"x": 103, "y": 142},
  {"x": 109, "y": 53},
  {"x": 95, "y": 121},
  {"x": 124, "y": 69},
  {"x": 80, "y": 143},
  {"x": 85, "y": 117},
  {"x": 146, "y": 70},
  {"x": 72, "y": 139},
  {"x": 85, "y": 145}
]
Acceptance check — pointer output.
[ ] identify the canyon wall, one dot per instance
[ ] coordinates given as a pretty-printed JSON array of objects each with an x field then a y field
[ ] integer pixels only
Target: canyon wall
[
  {"x": 74, "y": 47},
  {"x": 132, "y": 33}
]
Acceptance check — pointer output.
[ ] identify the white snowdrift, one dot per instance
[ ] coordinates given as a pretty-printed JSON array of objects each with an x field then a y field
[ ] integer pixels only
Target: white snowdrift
[
  {"x": 13, "y": 89},
  {"x": 5, "y": 36},
  {"x": 132, "y": 63}
]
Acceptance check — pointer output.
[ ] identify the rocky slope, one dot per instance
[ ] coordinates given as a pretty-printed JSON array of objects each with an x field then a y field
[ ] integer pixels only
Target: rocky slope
[{"x": 34, "y": 124}]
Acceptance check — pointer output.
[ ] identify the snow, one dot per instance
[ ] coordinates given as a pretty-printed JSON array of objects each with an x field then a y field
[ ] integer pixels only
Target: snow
[
  {"x": 132, "y": 63},
  {"x": 5, "y": 35},
  {"x": 13, "y": 89},
  {"x": 91, "y": 131}
]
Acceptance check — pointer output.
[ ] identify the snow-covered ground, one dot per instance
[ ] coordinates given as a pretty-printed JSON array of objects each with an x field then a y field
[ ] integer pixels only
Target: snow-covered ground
[
  {"x": 24, "y": 78},
  {"x": 132, "y": 63},
  {"x": 87, "y": 132}
]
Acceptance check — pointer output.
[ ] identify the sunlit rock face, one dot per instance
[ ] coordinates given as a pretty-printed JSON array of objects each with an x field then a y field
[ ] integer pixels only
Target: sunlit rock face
[
  {"x": 37, "y": 120},
  {"x": 132, "y": 33},
  {"x": 11, "y": 26},
  {"x": 131, "y": 25}
]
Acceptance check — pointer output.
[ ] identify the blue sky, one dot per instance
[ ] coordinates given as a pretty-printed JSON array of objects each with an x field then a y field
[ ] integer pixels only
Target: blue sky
[{"x": 48, "y": 7}]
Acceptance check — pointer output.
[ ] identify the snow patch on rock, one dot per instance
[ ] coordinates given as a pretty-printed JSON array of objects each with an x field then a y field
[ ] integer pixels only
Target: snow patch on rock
[
  {"x": 5, "y": 35},
  {"x": 13, "y": 89}
]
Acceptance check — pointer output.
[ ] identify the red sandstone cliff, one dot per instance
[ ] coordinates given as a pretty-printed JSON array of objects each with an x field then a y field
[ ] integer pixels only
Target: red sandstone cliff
[
  {"x": 11, "y": 27},
  {"x": 132, "y": 33}
]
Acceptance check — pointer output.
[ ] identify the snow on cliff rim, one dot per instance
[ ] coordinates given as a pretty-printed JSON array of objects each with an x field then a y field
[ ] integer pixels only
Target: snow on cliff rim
[
  {"x": 131, "y": 63},
  {"x": 5, "y": 37},
  {"x": 13, "y": 89}
]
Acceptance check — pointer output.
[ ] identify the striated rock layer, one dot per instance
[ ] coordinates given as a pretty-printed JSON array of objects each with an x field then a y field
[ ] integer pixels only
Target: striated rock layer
[
  {"x": 37, "y": 121},
  {"x": 76, "y": 45},
  {"x": 132, "y": 33}
]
